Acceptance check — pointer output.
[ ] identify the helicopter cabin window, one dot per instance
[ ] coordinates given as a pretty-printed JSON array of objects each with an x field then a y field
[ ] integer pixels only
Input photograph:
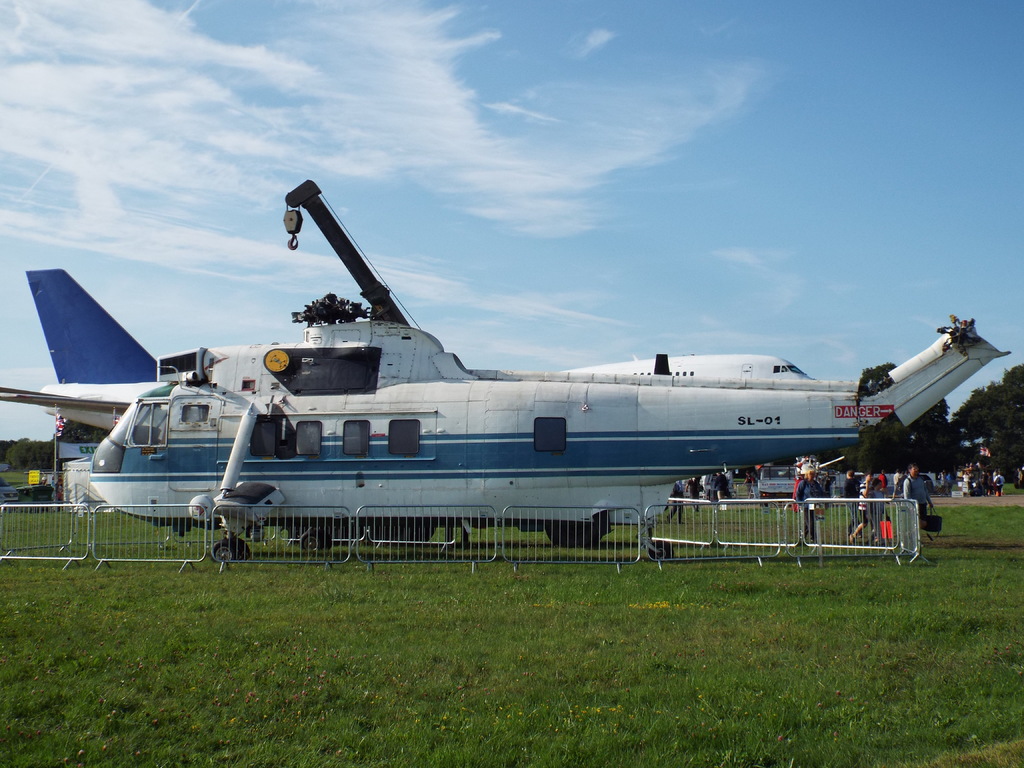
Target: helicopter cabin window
[
  {"x": 308, "y": 437},
  {"x": 150, "y": 424},
  {"x": 404, "y": 437},
  {"x": 355, "y": 438},
  {"x": 264, "y": 438},
  {"x": 195, "y": 413},
  {"x": 549, "y": 434},
  {"x": 277, "y": 437}
]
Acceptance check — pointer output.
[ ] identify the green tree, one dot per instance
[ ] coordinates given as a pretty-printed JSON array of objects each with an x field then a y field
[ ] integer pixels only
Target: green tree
[
  {"x": 931, "y": 441},
  {"x": 75, "y": 432},
  {"x": 993, "y": 416},
  {"x": 31, "y": 454},
  {"x": 935, "y": 443}
]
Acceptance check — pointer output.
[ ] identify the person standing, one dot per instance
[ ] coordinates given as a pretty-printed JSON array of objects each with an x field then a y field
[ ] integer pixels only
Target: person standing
[
  {"x": 914, "y": 487},
  {"x": 998, "y": 481},
  {"x": 851, "y": 490},
  {"x": 808, "y": 488},
  {"x": 897, "y": 483}
]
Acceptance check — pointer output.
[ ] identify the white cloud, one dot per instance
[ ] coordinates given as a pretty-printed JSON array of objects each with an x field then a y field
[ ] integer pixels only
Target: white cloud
[
  {"x": 511, "y": 109},
  {"x": 132, "y": 132},
  {"x": 582, "y": 46},
  {"x": 764, "y": 272}
]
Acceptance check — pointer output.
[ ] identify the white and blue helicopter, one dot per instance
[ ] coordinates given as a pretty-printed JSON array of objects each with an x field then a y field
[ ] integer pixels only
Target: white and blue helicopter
[{"x": 368, "y": 411}]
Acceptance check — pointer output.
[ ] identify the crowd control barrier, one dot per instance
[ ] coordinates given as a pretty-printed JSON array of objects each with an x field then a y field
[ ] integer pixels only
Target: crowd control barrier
[
  {"x": 44, "y": 532},
  {"x": 570, "y": 535},
  {"x": 764, "y": 528},
  {"x": 679, "y": 531},
  {"x": 435, "y": 534},
  {"x": 155, "y": 533}
]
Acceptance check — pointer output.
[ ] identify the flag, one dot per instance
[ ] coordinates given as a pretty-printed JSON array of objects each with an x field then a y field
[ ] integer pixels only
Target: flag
[
  {"x": 985, "y": 451},
  {"x": 58, "y": 428}
]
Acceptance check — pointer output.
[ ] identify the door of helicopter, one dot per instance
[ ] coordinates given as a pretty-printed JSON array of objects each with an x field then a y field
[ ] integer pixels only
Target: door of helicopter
[{"x": 195, "y": 455}]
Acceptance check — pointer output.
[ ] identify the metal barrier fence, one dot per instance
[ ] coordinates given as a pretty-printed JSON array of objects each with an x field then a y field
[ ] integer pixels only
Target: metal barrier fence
[
  {"x": 758, "y": 529},
  {"x": 701, "y": 530},
  {"x": 44, "y": 532},
  {"x": 154, "y": 533},
  {"x": 574, "y": 535},
  {"x": 682, "y": 530},
  {"x": 291, "y": 536},
  {"x": 434, "y": 534}
]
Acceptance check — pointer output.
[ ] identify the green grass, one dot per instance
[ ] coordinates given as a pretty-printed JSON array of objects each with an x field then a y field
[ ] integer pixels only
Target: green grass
[{"x": 859, "y": 663}]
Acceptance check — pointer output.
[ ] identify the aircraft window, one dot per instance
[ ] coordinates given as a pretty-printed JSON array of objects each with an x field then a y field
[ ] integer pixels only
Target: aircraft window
[
  {"x": 308, "y": 436},
  {"x": 776, "y": 369},
  {"x": 794, "y": 369},
  {"x": 119, "y": 434},
  {"x": 264, "y": 439},
  {"x": 404, "y": 436},
  {"x": 150, "y": 424},
  {"x": 549, "y": 434},
  {"x": 355, "y": 438},
  {"x": 193, "y": 413}
]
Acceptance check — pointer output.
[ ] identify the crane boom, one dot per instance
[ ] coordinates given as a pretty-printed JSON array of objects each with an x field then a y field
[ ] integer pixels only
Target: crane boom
[{"x": 307, "y": 195}]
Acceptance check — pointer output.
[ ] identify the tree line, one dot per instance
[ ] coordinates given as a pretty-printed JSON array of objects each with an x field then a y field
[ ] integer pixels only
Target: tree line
[
  {"x": 988, "y": 428},
  {"x": 28, "y": 454}
]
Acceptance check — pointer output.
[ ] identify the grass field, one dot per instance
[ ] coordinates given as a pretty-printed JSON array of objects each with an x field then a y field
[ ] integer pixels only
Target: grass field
[{"x": 858, "y": 663}]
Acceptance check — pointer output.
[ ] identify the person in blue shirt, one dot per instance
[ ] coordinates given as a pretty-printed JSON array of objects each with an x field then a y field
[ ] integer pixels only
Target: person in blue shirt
[{"x": 808, "y": 488}]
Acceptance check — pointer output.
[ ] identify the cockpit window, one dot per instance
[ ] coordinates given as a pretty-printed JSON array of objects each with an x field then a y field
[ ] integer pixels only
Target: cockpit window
[
  {"x": 790, "y": 368},
  {"x": 150, "y": 425}
]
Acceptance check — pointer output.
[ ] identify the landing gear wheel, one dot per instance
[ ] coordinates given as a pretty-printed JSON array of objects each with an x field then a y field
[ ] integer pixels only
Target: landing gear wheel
[
  {"x": 577, "y": 533},
  {"x": 659, "y": 550},
  {"x": 316, "y": 540},
  {"x": 230, "y": 549}
]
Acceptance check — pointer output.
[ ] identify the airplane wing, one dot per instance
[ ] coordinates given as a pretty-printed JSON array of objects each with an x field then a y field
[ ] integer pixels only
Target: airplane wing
[
  {"x": 96, "y": 412},
  {"x": 62, "y": 401}
]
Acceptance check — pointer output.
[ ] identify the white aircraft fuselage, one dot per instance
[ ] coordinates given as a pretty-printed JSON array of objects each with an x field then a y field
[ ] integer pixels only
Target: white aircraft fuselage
[
  {"x": 372, "y": 413},
  {"x": 707, "y": 367}
]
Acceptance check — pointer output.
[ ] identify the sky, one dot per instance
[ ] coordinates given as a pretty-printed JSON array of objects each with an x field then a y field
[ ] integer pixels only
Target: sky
[{"x": 543, "y": 184}]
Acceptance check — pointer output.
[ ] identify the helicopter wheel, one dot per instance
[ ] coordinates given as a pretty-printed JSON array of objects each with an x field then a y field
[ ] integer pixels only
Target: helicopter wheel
[
  {"x": 317, "y": 539},
  {"x": 230, "y": 549},
  {"x": 578, "y": 533},
  {"x": 661, "y": 550}
]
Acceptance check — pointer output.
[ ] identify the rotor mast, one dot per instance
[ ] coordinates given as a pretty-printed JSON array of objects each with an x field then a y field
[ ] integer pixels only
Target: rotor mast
[{"x": 307, "y": 195}]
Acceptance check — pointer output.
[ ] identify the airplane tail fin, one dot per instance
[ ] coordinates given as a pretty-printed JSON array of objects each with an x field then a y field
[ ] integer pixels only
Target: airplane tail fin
[{"x": 86, "y": 344}]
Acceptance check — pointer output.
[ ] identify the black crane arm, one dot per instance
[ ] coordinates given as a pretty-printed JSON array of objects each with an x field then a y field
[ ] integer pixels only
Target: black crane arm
[{"x": 307, "y": 195}]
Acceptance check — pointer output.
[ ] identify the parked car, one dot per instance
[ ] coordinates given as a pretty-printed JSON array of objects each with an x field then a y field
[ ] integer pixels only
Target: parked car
[{"x": 8, "y": 493}]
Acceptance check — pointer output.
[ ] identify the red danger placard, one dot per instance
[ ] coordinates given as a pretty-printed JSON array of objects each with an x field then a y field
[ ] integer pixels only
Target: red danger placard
[{"x": 863, "y": 411}]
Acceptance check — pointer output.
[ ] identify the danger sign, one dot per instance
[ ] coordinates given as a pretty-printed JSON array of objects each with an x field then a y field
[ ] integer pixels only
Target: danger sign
[{"x": 863, "y": 411}]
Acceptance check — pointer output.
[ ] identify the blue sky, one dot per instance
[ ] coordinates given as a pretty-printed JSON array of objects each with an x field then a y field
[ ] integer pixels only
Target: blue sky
[{"x": 544, "y": 185}]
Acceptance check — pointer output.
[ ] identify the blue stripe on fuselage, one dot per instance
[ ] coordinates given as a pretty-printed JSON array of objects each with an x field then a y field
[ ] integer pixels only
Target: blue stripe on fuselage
[{"x": 491, "y": 456}]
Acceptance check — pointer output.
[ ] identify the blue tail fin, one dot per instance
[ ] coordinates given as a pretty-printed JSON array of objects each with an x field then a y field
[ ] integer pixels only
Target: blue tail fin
[{"x": 87, "y": 345}]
